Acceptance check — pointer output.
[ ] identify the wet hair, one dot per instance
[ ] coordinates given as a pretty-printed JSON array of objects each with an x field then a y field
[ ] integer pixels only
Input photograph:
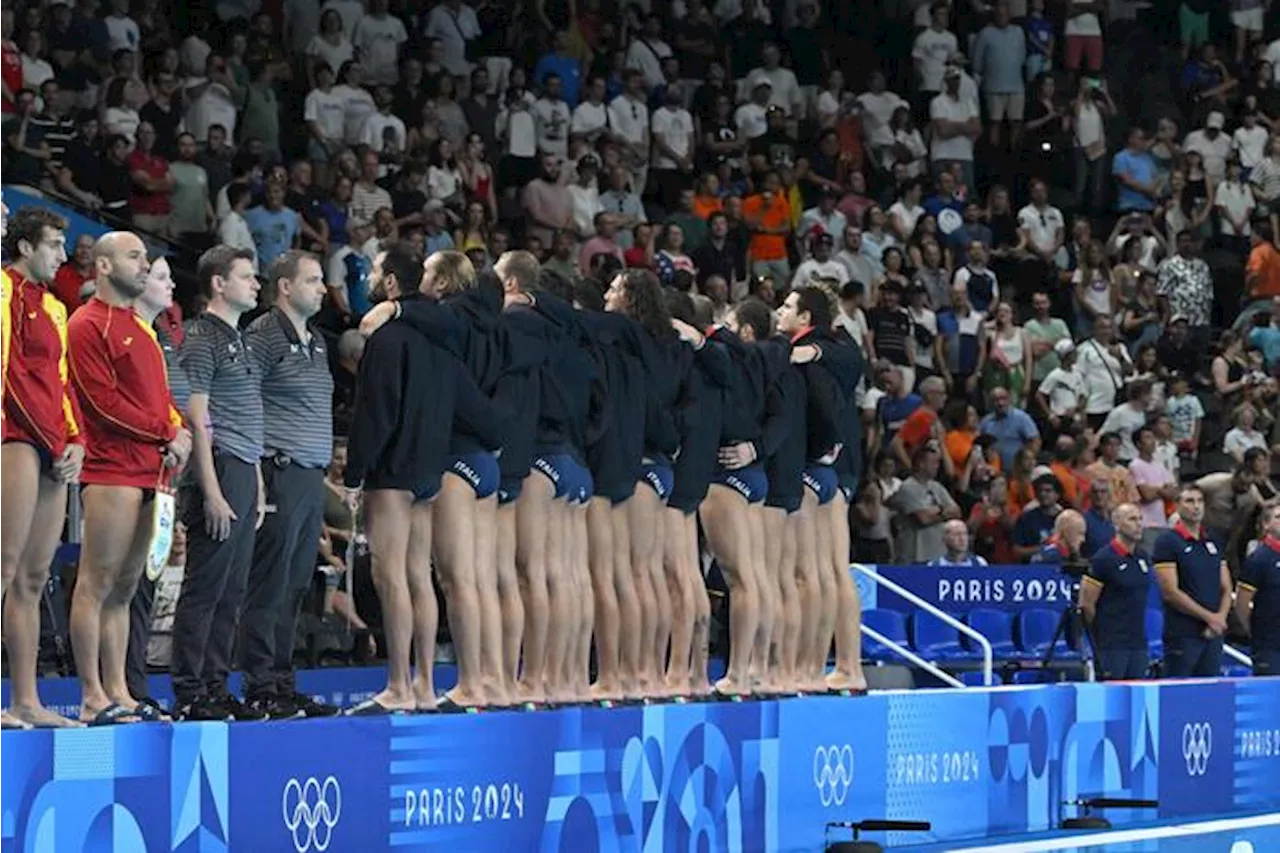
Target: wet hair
[
  {"x": 645, "y": 304},
  {"x": 754, "y": 313},
  {"x": 401, "y": 260},
  {"x": 815, "y": 301}
]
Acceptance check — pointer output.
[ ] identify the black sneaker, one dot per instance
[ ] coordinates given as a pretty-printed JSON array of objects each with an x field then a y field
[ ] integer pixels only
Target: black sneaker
[
  {"x": 244, "y": 713},
  {"x": 283, "y": 708},
  {"x": 308, "y": 707},
  {"x": 202, "y": 711}
]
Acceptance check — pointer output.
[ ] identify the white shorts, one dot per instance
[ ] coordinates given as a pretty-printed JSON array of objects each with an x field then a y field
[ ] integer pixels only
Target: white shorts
[
  {"x": 1249, "y": 19},
  {"x": 1006, "y": 106}
]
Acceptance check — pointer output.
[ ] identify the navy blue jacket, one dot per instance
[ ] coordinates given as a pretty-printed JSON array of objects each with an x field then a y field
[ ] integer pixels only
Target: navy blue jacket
[
  {"x": 783, "y": 431},
  {"x": 744, "y": 400},
  {"x": 408, "y": 395},
  {"x": 616, "y": 458},
  {"x": 699, "y": 412}
]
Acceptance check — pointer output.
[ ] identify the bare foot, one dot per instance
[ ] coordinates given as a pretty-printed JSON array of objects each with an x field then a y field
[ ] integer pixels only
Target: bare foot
[
  {"x": 42, "y": 718},
  {"x": 855, "y": 683},
  {"x": 396, "y": 700},
  {"x": 728, "y": 687},
  {"x": 11, "y": 722}
]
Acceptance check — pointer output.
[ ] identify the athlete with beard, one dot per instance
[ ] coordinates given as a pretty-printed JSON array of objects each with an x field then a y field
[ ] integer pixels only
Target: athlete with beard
[{"x": 136, "y": 440}]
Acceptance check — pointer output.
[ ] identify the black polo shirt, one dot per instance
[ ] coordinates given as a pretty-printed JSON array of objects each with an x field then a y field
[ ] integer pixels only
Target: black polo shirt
[
  {"x": 1125, "y": 579},
  {"x": 219, "y": 363},
  {"x": 1261, "y": 575},
  {"x": 1198, "y": 562}
]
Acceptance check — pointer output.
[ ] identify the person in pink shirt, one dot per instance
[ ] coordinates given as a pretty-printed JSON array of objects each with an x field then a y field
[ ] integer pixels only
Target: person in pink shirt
[{"x": 1157, "y": 488}]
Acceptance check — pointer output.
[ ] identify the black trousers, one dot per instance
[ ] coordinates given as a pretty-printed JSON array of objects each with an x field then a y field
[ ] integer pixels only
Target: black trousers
[
  {"x": 135, "y": 664},
  {"x": 1192, "y": 657},
  {"x": 213, "y": 585},
  {"x": 284, "y": 561}
]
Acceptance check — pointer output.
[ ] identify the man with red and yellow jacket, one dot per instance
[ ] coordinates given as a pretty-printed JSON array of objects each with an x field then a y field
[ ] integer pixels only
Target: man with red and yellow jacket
[
  {"x": 135, "y": 436},
  {"x": 42, "y": 448}
]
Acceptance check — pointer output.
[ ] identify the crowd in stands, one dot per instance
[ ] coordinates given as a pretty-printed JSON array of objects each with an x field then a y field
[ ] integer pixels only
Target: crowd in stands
[{"x": 1051, "y": 225}]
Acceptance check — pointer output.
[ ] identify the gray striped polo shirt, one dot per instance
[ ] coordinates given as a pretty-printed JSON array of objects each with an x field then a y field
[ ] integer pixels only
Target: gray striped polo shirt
[
  {"x": 219, "y": 363},
  {"x": 297, "y": 390}
]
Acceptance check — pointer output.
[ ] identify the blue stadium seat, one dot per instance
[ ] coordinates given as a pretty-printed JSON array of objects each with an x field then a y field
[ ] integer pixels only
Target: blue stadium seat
[
  {"x": 892, "y": 625},
  {"x": 997, "y": 627},
  {"x": 1238, "y": 670},
  {"x": 1034, "y": 676},
  {"x": 934, "y": 639},
  {"x": 1155, "y": 633},
  {"x": 973, "y": 678},
  {"x": 1035, "y": 631}
]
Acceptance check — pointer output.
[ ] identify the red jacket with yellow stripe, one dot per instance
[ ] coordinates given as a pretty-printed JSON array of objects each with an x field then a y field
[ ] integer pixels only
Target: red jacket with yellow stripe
[
  {"x": 38, "y": 404},
  {"x": 119, "y": 374}
]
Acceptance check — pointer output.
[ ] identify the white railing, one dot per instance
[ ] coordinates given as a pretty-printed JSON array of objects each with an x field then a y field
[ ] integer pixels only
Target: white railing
[
  {"x": 947, "y": 618},
  {"x": 933, "y": 669},
  {"x": 1237, "y": 655}
]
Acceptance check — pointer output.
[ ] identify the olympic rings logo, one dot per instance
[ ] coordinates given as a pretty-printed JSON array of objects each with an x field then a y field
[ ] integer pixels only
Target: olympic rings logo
[
  {"x": 833, "y": 773},
  {"x": 1197, "y": 746},
  {"x": 311, "y": 810}
]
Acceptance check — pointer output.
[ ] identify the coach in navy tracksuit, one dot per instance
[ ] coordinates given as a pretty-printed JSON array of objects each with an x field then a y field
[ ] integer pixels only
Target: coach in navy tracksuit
[
  {"x": 1196, "y": 587},
  {"x": 1258, "y": 595},
  {"x": 1113, "y": 597}
]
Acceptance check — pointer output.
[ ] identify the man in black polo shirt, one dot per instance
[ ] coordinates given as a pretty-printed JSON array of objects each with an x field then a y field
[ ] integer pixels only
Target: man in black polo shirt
[
  {"x": 1196, "y": 588},
  {"x": 223, "y": 500},
  {"x": 297, "y": 409},
  {"x": 1258, "y": 595},
  {"x": 1113, "y": 597},
  {"x": 720, "y": 254}
]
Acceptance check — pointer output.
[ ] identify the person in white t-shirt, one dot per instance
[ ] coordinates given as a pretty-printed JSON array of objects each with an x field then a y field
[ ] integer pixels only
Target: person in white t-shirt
[
  {"x": 350, "y": 10},
  {"x": 357, "y": 103},
  {"x": 1044, "y": 225},
  {"x": 384, "y": 132},
  {"x": 1104, "y": 364},
  {"x": 878, "y": 105},
  {"x": 629, "y": 128},
  {"x": 1083, "y": 33},
  {"x": 552, "y": 116},
  {"x": 325, "y": 117},
  {"x": 821, "y": 265},
  {"x": 1214, "y": 146},
  {"x": 211, "y": 100},
  {"x": 1235, "y": 204},
  {"x": 1062, "y": 394},
  {"x": 452, "y": 24},
  {"x": 647, "y": 50},
  {"x": 752, "y": 118},
  {"x": 122, "y": 31},
  {"x": 591, "y": 117},
  {"x": 1250, "y": 142},
  {"x": 955, "y": 126},
  {"x": 784, "y": 91},
  {"x": 378, "y": 37},
  {"x": 674, "y": 147},
  {"x": 932, "y": 48}
]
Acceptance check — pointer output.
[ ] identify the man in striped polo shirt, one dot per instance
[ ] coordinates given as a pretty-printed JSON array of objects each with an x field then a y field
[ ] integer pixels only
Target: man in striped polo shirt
[
  {"x": 223, "y": 503},
  {"x": 297, "y": 406}
]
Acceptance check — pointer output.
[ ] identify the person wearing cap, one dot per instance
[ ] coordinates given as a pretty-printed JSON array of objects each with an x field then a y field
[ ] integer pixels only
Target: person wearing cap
[
  {"x": 1061, "y": 396},
  {"x": 824, "y": 216},
  {"x": 751, "y": 118},
  {"x": 784, "y": 90},
  {"x": 820, "y": 265},
  {"x": 1212, "y": 144},
  {"x": 1036, "y": 524},
  {"x": 956, "y": 124},
  {"x": 1113, "y": 598},
  {"x": 1195, "y": 584}
]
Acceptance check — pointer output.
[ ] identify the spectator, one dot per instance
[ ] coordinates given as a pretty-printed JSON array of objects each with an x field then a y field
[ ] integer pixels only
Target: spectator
[
  {"x": 1110, "y": 469},
  {"x": 1213, "y": 146},
  {"x": 1062, "y": 394},
  {"x": 1243, "y": 434},
  {"x": 233, "y": 230},
  {"x": 275, "y": 228},
  {"x": 999, "y": 55},
  {"x": 153, "y": 184},
  {"x": 1011, "y": 427},
  {"x": 1036, "y": 524},
  {"x": 1103, "y": 363},
  {"x": 74, "y": 282},
  {"x": 955, "y": 540},
  {"x": 955, "y": 125},
  {"x": 923, "y": 507},
  {"x": 932, "y": 48},
  {"x": 1044, "y": 333},
  {"x": 1135, "y": 172}
]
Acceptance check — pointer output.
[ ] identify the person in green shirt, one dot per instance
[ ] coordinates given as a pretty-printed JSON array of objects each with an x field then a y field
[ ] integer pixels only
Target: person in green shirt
[
  {"x": 694, "y": 226},
  {"x": 1043, "y": 331}
]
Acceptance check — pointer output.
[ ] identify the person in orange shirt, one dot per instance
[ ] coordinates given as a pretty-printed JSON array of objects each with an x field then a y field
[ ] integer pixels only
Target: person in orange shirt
[
  {"x": 1262, "y": 272},
  {"x": 136, "y": 438},
  {"x": 41, "y": 452},
  {"x": 768, "y": 215}
]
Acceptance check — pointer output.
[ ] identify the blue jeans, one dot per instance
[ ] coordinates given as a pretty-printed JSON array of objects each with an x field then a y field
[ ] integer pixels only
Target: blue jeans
[{"x": 1192, "y": 657}]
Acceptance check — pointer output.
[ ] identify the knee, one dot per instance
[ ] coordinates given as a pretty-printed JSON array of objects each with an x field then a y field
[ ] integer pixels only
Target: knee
[{"x": 27, "y": 585}]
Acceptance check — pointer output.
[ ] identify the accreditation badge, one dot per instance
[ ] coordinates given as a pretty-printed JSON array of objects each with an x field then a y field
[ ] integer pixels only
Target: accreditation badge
[{"x": 163, "y": 519}]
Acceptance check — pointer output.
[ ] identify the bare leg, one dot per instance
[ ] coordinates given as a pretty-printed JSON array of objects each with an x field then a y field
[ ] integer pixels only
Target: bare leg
[
  {"x": 22, "y": 605},
  {"x": 701, "y": 608},
  {"x": 20, "y": 474},
  {"x": 640, "y": 529},
  {"x": 808, "y": 565},
  {"x": 115, "y": 615},
  {"x": 624, "y": 583},
  {"x": 808, "y": 601},
  {"x": 787, "y": 633},
  {"x": 848, "y": 674},
  {"x": 763, "y": 659},
  {"x": 422, "y": 596},
  {"x": 826, "y": 614},
  {"x": 586, "y": 603},
  {"x": 560, "y": 593},
  {"x": 605, "y": 595},
  {"x": 512, "y": 603},
  {"x": 388, "y": 518},
  {"x": 676, "y": 563},
  {"x": 533, "y": 509},
  {"x": 103, "y": 552},
  {"x": 490, "y": 595},
  {"x": 725, "y": 516},
  {"x": 454, "y": 541}
]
